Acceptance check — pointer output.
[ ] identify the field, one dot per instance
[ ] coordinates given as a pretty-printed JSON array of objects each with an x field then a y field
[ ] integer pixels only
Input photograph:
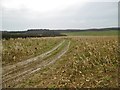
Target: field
[
  {"x": 60, "y": 62},
  {"x": 15, "y": 50},
  {"x": 93, "y": 33}
]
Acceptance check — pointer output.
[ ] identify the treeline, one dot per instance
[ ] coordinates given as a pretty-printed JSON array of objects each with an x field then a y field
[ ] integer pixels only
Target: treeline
[
  {"x": 30, "y": 33},
  {"x": 46, "y": 32}
]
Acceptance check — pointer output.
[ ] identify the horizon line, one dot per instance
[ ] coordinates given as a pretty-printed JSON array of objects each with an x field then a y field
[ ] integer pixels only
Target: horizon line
[{"x": 62, "y": 28}]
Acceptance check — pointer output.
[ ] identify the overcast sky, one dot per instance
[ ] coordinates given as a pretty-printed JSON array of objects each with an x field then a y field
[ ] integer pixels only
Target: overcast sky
[{"x": 58, "y": 14}]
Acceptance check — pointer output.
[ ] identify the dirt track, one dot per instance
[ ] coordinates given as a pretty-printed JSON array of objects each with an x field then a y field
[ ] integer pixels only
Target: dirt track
[
  {"x": 8, "y": 69},
  {"x": 24, "y": 69}
]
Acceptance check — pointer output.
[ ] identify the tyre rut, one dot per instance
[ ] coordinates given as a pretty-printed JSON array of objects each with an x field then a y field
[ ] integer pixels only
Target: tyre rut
[
  {"x": 18, "y": 77},
  {"x": 9, "y": 69}
]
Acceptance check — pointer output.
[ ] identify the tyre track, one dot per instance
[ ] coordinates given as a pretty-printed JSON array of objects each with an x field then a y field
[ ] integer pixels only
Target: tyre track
[
  {"x": 23, "y": 65},
  {"x": 9, "y": 69},
  {"x": 40, "y": 66}
]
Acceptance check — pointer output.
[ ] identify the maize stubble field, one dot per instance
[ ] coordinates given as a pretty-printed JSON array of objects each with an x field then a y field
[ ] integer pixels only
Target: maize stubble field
[{"x": 59, "y": 62}]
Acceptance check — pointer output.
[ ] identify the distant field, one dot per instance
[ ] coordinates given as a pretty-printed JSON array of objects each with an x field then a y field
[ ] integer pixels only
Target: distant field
[{"x": 93, "y": 33}]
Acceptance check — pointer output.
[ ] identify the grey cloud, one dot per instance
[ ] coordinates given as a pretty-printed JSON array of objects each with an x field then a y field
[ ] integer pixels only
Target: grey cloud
[{"x": 93, "y": 14}]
